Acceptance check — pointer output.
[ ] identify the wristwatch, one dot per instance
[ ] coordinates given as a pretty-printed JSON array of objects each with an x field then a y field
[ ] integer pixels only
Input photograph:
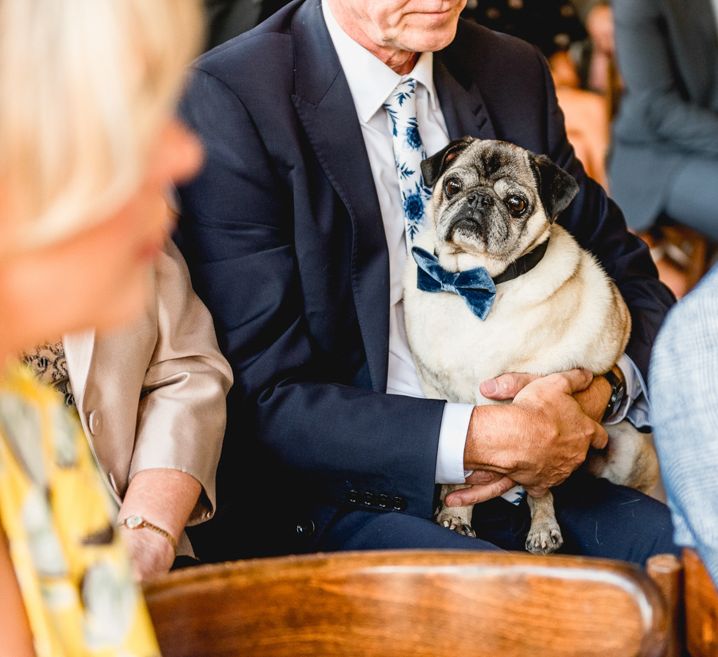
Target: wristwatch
[
  {"x": 138, "y": 522},
  {"x": 618, "y": 391}
]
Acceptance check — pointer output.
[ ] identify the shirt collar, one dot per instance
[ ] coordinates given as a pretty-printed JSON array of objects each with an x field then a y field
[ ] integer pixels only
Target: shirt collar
[{"x": 370, "y": 80}]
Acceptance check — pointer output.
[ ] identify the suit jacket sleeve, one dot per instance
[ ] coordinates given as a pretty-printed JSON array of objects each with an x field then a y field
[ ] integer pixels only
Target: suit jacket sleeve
[
  {"x": 599, "y": 226},
  {"x": 237, "y": 232},
  {"x": 654, "y": 90},
  {"x": 182, "y": 412}
]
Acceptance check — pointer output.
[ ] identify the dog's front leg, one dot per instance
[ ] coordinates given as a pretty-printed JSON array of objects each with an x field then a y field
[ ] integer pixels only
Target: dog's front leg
[
  {"x": 544, "y": 535},
  {"x": 456, "y": 518}
]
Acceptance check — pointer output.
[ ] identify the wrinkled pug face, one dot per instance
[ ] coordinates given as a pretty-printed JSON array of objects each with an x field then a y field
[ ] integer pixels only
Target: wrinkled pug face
[{"x": 492, "y": 201}]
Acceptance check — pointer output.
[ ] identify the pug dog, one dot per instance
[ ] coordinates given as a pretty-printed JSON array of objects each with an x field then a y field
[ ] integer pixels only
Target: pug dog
[{"x": 495, "y": 285}]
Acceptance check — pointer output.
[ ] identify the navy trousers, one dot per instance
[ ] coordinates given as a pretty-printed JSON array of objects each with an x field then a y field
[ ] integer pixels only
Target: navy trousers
[{"x": 597, "y": 519}]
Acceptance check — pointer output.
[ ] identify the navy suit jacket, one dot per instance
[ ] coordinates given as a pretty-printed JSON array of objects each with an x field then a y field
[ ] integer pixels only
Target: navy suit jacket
[{"x": 284, "y": 238}]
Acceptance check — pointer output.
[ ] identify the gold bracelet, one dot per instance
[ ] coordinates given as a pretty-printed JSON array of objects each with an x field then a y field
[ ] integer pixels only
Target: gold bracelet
[{"x": 138, "y": 522}]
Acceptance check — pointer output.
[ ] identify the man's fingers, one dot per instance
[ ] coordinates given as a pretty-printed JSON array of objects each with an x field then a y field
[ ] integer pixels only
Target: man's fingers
[
  {"x": 600, "y": 437},
  {"x": 483, "y": 477},
  {"x": 479, "y": 493},
  {"x": 573, "y": 381},
  {"x": 506, "y": 386}
]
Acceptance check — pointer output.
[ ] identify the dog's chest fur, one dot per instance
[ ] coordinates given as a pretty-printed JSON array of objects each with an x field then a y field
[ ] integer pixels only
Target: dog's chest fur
[{"x": 562, "y": 314}]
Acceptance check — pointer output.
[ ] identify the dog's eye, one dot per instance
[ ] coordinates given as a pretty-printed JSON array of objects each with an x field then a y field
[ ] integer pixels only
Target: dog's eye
[
  {"x": 452, "y": 187},
  {"x": 517, "y": 205}
]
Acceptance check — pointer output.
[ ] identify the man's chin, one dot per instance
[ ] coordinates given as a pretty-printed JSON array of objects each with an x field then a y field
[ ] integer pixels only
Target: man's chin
[{"x": 430, "y": 32}]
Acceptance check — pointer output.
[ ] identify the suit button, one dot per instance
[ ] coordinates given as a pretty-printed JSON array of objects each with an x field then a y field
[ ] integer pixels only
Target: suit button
[
  {"x": 305, "y": 529},
  {"x": 369, "y": 499},
  {"x": 382, "y": 501},
  {"x": 398, "y": 503},
  {"x": 354, "y": 497},
  {"x": 94, "y": 422}
]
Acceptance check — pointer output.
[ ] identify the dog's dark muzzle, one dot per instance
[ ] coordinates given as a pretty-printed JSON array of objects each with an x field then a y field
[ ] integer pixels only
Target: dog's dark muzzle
[
  {"x": 467, "y": 224},
  {"x": 479, "y": 201},
  {"x": 471, "y": 218}
]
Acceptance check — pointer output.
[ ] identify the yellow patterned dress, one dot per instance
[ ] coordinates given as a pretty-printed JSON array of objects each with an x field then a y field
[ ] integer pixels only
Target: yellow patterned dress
[{"x": 74, "y": 576}]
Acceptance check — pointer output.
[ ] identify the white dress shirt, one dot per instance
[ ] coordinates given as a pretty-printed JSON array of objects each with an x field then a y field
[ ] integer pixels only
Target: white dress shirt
[{"x": 371, "y": 82}]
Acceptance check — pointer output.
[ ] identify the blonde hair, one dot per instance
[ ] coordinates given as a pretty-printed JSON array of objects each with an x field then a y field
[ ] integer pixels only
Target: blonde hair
[{"x": 84, "y": 87}]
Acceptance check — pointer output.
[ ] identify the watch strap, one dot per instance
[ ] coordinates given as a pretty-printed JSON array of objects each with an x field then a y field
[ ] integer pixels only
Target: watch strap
[
  {"x": 138, "y": 522},
  {"x": 615, "y": 378}
]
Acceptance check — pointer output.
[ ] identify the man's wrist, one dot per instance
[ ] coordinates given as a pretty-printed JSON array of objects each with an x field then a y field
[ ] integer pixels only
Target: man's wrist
[
  {"x": 594, "y": 399},
  {"x": 488, "y": 439}
]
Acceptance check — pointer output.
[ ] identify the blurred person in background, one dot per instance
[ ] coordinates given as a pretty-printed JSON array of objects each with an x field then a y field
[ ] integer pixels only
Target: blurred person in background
[
  {"x": 664, "y": 160},
  {"x": 554, "y": 26},
  {"x": 684, "y": 393},
  {"x": 599, "y": 72},
  {"x": 89, "y": 144}
]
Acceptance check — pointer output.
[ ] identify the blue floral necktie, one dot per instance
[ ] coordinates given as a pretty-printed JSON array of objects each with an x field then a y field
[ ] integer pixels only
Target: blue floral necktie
[{"x": 408, "y": 153}]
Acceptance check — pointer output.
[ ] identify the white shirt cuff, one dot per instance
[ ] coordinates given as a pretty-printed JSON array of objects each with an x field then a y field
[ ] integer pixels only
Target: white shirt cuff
[{"x": 452, "y": 440}]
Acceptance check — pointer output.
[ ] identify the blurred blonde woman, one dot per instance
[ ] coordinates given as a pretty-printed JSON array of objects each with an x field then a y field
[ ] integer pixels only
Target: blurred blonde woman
[
  {"x": 88, "y": 145},
  {"x": 150, "y": 397}
]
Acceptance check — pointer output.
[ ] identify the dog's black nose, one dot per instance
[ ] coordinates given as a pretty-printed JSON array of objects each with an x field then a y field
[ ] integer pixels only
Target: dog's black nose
[{"x": 479, "y": 200}]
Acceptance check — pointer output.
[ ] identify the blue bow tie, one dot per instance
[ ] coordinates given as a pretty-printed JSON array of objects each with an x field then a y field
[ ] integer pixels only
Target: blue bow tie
[{"x": 474, "y": 286}]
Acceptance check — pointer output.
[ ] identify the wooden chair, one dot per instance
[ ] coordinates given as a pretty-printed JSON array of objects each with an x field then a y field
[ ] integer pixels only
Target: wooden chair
[
  {"x": 701, "y": 608},
  {"x": 410, "y": 603}
]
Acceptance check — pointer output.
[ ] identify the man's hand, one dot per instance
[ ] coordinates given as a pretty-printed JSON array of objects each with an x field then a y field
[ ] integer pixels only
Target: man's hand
[
  {"x": 540, "y": 438},
  {"x": 593, "y": 400},
  {"x": 484, "y": 486},
  {"x": 599, "y": 25}
]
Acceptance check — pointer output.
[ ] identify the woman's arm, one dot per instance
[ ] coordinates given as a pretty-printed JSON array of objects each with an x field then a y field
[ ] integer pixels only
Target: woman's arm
[
  {"x": 165, "y": 498},
  {"x": 14, "y": 627},
  {"x": 182, "y": 412}
]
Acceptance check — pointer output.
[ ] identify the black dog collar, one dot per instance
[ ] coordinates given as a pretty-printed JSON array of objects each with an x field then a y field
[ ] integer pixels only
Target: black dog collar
[{"x": 524, "y": 264}]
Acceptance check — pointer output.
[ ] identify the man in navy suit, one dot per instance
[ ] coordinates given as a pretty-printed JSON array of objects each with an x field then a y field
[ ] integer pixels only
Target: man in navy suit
[
  {"x": 295, "y": 238},
  {"x": 228, "y": 18}
]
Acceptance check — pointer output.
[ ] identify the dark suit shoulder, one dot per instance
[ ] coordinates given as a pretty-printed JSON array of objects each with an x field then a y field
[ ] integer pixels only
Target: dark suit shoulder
[
  {"x": 512, "y": 80},
  {"x": 470, "y": 36},
  {"x": 481, "y": 55},
  {"x": 255, "y": 61}
]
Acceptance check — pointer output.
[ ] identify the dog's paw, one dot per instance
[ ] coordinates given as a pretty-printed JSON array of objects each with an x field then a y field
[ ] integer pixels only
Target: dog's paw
[
  {"x": 455, "y": 524},
  {"x": 544, "y": 539}
]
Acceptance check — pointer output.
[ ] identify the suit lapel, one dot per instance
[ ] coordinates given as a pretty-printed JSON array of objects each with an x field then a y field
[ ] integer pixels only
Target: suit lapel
[
  {"x": 325, "y": 107},
  {"x": 463, "y": 107},
  {"x": 79, "y": 349}
]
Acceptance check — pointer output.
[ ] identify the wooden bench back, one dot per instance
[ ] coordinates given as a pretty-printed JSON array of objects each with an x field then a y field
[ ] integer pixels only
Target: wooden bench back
[
  {"x": 409, "y": 603},
  {"x": 701, "y": 606}
]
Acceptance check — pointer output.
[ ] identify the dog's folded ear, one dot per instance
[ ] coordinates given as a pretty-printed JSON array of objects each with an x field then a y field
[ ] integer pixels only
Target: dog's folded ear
[
  {"x": 557, "y": 188},
  {"x": 432, "y": 167}
]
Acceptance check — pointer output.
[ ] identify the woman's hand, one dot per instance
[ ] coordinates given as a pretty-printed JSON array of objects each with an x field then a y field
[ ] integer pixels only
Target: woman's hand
[
  {"x": 152, "y": 555},
  {"x": 166, "y": 498}
]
